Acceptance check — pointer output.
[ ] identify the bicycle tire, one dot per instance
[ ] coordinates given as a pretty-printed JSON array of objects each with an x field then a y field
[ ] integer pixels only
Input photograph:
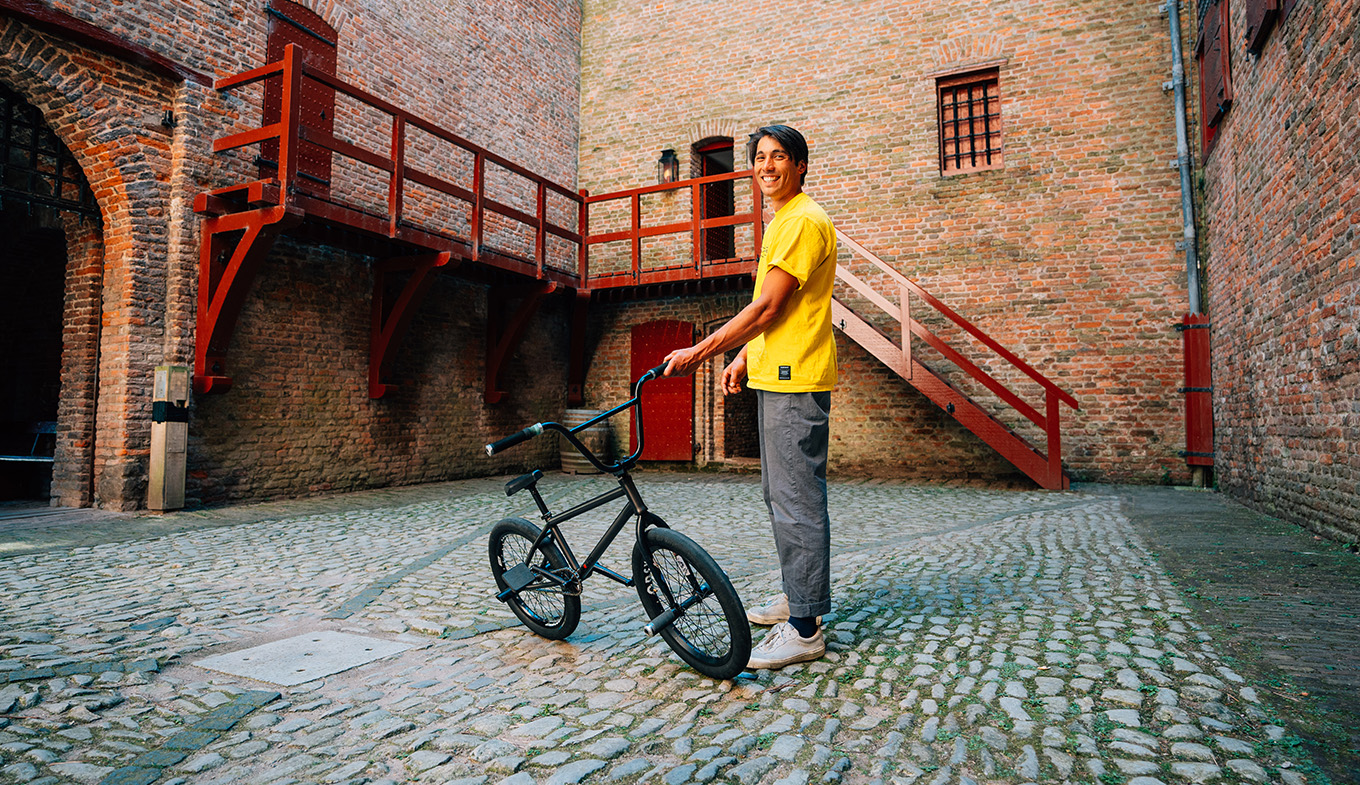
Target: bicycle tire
[
  {"x": 712, "y": 634},
  {"x": 542, "y": 606}
]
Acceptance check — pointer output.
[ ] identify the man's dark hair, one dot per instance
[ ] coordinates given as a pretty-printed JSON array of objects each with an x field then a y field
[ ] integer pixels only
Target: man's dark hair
[{"x": 793, "y": 143}]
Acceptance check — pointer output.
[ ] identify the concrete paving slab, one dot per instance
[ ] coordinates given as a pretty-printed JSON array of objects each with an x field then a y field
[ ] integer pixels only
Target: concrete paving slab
[{"x": 303, "y": 658}]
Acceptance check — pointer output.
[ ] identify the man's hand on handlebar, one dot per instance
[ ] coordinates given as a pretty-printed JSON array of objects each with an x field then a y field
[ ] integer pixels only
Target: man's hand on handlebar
[{"x": 683, "y": 362}]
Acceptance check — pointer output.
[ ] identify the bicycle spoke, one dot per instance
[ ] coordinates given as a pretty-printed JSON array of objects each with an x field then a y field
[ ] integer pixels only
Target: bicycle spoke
[
  {"x": 703, "y": 621},
  {"x": 543, "y": 601}
]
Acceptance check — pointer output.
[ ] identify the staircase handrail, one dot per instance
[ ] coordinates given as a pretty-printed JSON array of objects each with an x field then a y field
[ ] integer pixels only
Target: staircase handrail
[{"x": 954, "y": 317}]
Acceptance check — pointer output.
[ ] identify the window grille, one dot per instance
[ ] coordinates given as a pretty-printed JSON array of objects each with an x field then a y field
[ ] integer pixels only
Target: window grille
[
  {"x": 970, "y": 121},
  {"x": 35, "y": 167}
]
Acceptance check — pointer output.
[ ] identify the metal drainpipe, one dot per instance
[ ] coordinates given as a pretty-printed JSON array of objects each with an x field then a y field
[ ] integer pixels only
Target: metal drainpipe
[{"x": 1173, "y": 14}]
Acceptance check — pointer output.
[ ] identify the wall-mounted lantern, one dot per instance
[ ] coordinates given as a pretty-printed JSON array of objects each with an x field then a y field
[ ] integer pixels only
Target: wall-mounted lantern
[{"x": 667, "y": 167}]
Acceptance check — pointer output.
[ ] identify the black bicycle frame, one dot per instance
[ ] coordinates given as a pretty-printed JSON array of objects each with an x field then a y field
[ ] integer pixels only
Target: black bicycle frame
[{"x": 634, "y": 506}]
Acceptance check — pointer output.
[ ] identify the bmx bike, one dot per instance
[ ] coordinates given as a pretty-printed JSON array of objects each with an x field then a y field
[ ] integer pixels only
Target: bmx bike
[{"x": 687, "y": 597}]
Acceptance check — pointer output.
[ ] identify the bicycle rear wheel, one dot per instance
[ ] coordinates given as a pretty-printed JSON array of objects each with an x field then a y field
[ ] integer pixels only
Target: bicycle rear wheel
[
  {"x": 710, "y": 630},
  {"x": 542, "y": 604}
]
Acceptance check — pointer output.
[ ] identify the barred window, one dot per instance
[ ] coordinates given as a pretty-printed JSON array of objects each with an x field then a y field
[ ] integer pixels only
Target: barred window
[{"x": 970, "y": 121}]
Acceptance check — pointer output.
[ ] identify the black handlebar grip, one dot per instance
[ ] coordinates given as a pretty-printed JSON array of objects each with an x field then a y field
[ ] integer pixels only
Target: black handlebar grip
[
  {"x": 515, "y": 438},
  {"x": 659, "y": 370}
]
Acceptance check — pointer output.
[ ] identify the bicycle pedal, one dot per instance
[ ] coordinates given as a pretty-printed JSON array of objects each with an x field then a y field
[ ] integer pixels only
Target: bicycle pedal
[{"x": 517, "y": 578}]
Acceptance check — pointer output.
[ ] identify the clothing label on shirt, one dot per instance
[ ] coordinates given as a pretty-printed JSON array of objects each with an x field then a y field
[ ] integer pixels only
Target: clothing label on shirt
[{"x": 785, "y": 373}]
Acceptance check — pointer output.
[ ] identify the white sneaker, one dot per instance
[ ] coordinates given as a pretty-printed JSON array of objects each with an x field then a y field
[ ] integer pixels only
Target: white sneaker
[
  {"x": 784, "y": 646},
  {"x": 775, "y": 610}
]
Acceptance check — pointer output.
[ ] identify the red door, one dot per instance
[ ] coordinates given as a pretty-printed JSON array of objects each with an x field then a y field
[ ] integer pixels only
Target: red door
[
  {"x": 667, "y": 404},
  {"x": 291, "y": 23}
]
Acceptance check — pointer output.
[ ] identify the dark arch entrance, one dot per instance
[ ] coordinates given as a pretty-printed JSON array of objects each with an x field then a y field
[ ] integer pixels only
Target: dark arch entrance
[{"x": 41, "y": 190}]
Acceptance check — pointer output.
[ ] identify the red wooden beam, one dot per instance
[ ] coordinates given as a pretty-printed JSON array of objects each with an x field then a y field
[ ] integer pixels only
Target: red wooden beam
[
  {"x": 504, "y": 331},
  {"x": 389, "y": 324},
  {"x": 222, "y": 285}
]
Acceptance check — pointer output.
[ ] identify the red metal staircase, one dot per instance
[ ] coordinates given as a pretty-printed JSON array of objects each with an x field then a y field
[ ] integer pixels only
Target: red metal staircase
[{"x": 421, "y": 222}]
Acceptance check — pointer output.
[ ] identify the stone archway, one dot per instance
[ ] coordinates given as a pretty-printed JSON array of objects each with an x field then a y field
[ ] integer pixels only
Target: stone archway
[
  {"x": 50, "y": 281},
  {"x": 115, "y": 306}
]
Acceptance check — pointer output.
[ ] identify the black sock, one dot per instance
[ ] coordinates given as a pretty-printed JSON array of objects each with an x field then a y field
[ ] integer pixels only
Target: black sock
[{"x": 806, "y": 626}]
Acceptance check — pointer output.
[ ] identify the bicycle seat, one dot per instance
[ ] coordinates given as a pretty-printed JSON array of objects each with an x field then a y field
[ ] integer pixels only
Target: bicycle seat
[{"x": 520, "y": 483}]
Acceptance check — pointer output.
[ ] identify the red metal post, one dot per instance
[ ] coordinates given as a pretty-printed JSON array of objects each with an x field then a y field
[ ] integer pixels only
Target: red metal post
[
  {"x": 397, "y": 181},
  {"x": 906, "y": 330},
  {"x": 637, "y": 238},
  {"x": 1199, "y": 406},
  {"x": 583, "y": 228},
  {"x": 541, "y": 233},
  {"x": 478, "y": 174},
  {"x": 696, "y": 229},
  {"x": 1053, "y": 428},
  {"x": 291, "y": 118}
]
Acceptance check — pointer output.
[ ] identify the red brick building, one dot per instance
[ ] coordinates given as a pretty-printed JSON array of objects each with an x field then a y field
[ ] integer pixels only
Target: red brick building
[
  {"x": 1282, "y": 225},
  {"x": 126, "y": 89},
  {"x": 1011, "y": 159},
  {"x": 1061, "y": 244}
]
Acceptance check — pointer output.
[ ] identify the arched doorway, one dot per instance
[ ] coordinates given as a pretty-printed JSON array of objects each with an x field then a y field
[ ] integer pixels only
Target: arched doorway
[{"x": 43, "y": 198}]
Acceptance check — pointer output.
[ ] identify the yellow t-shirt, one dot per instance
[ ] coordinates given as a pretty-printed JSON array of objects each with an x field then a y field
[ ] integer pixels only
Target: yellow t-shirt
[{"x": 798, "y": 352}]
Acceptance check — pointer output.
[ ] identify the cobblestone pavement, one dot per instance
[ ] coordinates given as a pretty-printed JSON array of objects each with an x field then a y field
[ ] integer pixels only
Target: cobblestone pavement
[{"x": 977, "y": 636}]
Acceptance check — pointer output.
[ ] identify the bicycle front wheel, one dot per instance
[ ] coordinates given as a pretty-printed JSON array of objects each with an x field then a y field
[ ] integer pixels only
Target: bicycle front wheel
[
  {"x": 543, "y": 604},
  {"x": 710, "y": 630}
]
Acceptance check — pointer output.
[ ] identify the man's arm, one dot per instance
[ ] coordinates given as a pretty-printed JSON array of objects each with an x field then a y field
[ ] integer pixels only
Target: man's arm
[{"x": 753, "y": 320}]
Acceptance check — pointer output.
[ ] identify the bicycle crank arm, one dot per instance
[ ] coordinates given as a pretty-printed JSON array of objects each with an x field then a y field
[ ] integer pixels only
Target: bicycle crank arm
[{"x": 668, "y": 616}]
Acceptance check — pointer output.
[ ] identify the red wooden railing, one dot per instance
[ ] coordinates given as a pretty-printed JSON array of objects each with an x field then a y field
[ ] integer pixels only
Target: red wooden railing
[
  {"x": 698, "y": 267},
  {"x": 289, "y": 132}
]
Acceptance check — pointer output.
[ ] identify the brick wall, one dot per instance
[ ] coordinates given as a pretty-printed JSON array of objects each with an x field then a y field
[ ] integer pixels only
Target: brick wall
[
  {"x": 504, "y": 75},
  {"x": 299, "y": 420},
  {"x": 1283, "y": 236},
  {"x": 1067, "y": 255}
]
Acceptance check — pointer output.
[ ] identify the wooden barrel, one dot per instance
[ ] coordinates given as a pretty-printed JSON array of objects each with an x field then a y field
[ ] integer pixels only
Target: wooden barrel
[{"x": 596, "y": 437}]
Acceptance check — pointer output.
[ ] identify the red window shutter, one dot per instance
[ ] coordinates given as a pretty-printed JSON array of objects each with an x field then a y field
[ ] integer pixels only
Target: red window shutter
[
  {"x": 1261, "y": 17},
  {"x": 1215, "y": 78}
]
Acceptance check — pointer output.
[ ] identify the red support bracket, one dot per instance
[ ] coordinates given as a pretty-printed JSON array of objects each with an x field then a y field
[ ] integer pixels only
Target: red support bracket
[
  {"x": 224, "y": 281},
  {"x": 576, "y": 362},
  {"x": 390, "y": 322},
  {"x": 504, "y": 330}
]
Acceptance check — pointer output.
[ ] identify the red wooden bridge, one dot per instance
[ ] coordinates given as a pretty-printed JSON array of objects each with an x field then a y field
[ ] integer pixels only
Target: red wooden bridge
[{"x": 418, "y": 199}]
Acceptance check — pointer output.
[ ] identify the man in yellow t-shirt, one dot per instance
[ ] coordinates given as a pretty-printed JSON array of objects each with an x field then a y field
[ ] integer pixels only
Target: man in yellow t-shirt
[{"x": 789, "y": 358}]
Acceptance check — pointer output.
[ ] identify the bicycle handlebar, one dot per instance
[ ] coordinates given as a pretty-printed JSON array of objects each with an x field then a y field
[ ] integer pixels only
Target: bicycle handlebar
[
  {"x": 514, "y": 438},
  {"x": 569, "y": 433}
]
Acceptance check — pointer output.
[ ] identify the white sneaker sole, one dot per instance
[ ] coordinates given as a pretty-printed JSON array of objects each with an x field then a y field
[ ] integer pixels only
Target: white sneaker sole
[{"x": 802, "y": 656}]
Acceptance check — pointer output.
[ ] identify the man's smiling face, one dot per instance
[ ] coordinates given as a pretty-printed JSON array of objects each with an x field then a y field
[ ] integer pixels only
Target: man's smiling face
[{"x": 779, "y": 178}]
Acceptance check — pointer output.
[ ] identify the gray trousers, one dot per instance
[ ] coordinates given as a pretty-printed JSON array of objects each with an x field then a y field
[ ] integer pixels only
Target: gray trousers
[{"x": 794, "y": 432}]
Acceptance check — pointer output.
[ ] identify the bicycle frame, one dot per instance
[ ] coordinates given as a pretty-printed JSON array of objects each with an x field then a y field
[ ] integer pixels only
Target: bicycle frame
[{"x": 581, "y": 570}]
